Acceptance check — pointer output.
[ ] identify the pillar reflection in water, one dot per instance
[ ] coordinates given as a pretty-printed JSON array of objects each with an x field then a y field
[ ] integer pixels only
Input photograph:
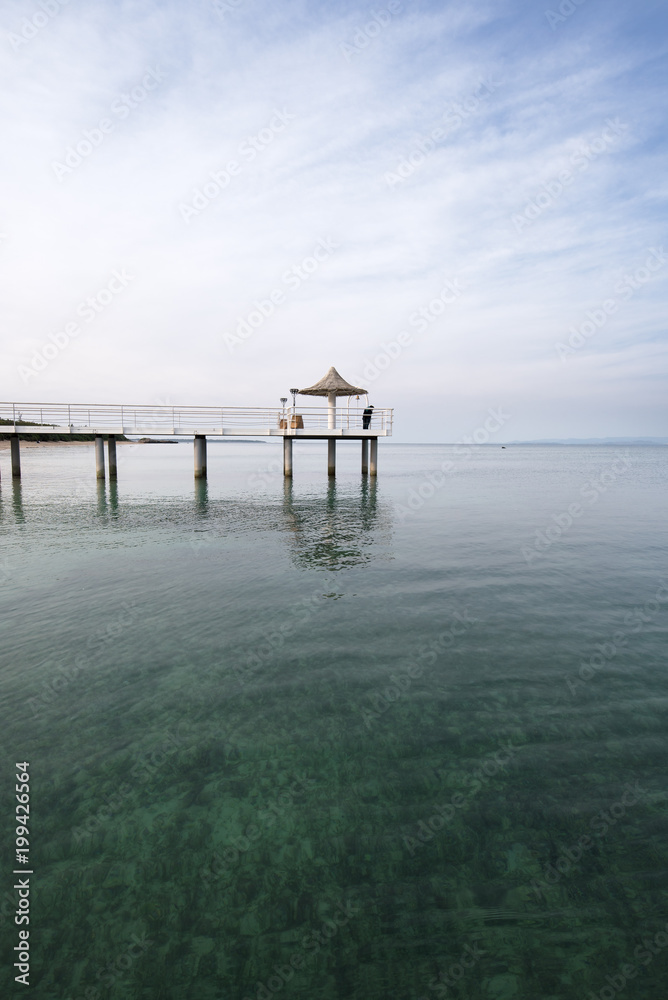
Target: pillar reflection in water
[
  {"x": 202, "y": 497},
  {"x": 17, "y": 502},
  {"x": 113, "y": 498},
  {"x": 338, "y": 527},
  {"x": 102, "y": 508}
]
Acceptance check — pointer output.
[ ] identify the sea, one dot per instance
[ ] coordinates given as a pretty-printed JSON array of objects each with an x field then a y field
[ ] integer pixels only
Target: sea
[{"x": 335, "y": 739}]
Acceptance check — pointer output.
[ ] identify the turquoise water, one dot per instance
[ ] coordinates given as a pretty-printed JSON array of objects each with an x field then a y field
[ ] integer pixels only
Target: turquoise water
[{"x": 357, "y": 740}]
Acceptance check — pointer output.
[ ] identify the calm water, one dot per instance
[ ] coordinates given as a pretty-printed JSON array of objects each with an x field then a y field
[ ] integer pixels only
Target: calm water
[{"x": 362, "y": 741}]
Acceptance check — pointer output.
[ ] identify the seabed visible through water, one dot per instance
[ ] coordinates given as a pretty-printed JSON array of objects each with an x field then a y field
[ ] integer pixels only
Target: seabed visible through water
[{"x": 351, "y": 739}]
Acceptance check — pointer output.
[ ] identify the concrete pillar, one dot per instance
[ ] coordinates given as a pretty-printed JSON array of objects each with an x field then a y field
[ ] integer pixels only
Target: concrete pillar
[
  {"x": 331, "y": 412},
  {"x": 99, "y": 457},
  {"x": 200, "y": 456},
  {"x": 373, "y": 457},
  {"x": 331, "y": 456},
  {"x": 111, "y": 445},
  {"x": 365, "y": 456},
  {"x": 287, "y": 456},
  {"x": 16, "y": 456}
]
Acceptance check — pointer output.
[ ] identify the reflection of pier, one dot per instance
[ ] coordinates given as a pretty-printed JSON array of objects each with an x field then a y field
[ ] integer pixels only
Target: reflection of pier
[
  {"x": 336, "y": 529},
  {"x": 293, "y": 423},
  {"x": 340, "y": 525}
]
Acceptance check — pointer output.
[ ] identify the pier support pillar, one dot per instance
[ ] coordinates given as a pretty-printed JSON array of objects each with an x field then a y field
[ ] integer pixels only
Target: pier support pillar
[
  {"x": 99, "y": 457},
  {"x": 365, "y": 456},
  {"x": 16, "y": 456},
  {"x": 331, "y": 456},
  {"x": 111, "y": 446},
  {"x": 200, "y": 456},
  {"x": 287, "y": 456},
  {"x": 373, "y": 456}
]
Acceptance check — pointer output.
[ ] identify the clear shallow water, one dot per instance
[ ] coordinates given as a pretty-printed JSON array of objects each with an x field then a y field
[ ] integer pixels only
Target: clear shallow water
[{"x": 363, "y": 726}]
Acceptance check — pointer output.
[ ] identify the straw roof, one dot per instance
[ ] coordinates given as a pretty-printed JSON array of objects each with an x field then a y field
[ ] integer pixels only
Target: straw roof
[{"x": 332, "y": 382}]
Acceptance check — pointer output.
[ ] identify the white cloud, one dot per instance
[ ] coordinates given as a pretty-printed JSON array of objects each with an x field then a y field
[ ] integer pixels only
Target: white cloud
[{"x": 322, "y": 176}]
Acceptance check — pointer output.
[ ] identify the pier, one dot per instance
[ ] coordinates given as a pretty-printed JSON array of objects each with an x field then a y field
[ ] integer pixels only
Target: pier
[{"x": 108, "y": 422}]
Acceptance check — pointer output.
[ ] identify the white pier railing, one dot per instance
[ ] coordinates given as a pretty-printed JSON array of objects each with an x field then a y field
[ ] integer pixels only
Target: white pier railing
[{"x": 89, "y": 418}]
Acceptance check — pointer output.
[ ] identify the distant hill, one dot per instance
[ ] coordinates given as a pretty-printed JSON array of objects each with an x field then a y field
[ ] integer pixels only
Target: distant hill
[{"x": 608, "y": 441}]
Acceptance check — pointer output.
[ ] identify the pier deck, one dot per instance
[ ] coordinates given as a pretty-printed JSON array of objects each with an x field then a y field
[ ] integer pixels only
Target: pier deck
[{"x": 197, "y": 422}]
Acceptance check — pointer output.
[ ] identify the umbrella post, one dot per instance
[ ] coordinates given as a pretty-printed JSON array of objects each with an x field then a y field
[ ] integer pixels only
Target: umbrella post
[{"x": 331, "y": 386}]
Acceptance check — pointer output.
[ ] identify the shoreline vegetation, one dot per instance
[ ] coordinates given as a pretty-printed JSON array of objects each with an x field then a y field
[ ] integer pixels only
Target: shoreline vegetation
[
  {"x": 48, "y": 438},
  {"x": 30, "y": 439},
  {"x": 71, "y": 439}
]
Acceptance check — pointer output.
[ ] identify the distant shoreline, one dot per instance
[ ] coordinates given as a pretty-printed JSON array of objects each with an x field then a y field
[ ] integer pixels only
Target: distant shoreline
[
  {"x": 5, "y": 443},
  {"x": 26, "y": 442}
]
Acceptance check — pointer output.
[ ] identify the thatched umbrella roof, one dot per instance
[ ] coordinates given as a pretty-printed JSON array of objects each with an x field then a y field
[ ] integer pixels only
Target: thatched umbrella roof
[{"x": 332, "y": 382}]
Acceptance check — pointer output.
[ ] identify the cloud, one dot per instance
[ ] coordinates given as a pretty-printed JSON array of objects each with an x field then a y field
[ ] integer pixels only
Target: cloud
[{"x": 224, "y": 76}]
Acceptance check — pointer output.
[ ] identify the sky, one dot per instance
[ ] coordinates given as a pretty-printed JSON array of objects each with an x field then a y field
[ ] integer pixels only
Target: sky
[{"x": 459, "y": 205}]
